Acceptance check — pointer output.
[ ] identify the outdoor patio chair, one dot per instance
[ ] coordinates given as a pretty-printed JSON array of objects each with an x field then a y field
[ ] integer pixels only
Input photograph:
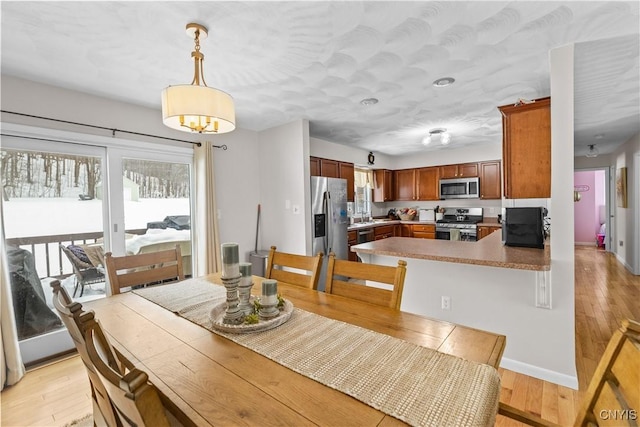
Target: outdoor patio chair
[{"x": 85, "y": 272}]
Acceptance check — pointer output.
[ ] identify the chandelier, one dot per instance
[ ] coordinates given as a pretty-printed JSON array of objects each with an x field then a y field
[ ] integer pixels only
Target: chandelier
[{"x": 196, "y": 107}]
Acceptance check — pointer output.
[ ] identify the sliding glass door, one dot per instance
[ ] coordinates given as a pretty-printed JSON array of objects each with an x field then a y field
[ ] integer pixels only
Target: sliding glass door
[{"x": 54, "y": 230}]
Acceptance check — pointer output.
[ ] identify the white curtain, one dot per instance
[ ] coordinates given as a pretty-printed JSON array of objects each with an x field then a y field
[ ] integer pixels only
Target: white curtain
[
  {"x": 205, "y": 232},
  {"x": 12, "y": 369}
]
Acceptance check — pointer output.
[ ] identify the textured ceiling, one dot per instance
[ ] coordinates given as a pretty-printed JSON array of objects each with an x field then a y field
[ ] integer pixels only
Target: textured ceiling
[{"x": 282, "y": 61}]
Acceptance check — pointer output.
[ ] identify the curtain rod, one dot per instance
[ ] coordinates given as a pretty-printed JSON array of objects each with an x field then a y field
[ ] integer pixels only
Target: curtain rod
[{"x": 113, "y": 130}]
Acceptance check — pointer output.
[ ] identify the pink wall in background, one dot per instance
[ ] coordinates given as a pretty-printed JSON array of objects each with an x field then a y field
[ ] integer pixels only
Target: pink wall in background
[{"x": 587, "y": 210}]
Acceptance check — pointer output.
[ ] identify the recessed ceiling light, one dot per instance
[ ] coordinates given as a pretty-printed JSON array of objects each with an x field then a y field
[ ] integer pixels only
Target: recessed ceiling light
[
  {"x": 369, "y": 101},
  {"x": 444, "y": 81}
]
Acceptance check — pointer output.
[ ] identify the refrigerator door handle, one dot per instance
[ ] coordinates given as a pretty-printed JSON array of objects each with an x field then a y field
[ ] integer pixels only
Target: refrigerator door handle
[
  {"x": 325, "y": 211},
  {"x": 329, "y": 221}
]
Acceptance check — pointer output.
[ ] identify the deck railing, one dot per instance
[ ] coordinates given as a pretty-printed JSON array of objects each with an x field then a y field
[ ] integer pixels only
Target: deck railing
[{"x": 48, "y": 255}]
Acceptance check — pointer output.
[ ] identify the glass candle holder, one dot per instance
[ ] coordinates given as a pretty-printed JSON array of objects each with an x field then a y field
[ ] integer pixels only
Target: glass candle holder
[{"x": 230, "y": 259}]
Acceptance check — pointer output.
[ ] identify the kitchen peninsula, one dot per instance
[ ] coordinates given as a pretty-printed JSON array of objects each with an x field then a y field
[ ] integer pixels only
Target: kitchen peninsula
[{"x": 485, "y": 285}]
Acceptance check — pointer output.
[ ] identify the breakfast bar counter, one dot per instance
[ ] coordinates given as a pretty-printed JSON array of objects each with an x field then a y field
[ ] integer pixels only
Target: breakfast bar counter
[{"x": 488, "y": 251}]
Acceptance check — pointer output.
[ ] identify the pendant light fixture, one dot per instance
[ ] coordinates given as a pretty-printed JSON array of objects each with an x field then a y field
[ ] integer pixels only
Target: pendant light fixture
[{"x": 196, "y": 107}]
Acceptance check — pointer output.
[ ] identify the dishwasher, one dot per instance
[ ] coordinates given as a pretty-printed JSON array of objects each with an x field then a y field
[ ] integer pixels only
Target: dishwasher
[{"x": 365, "y": 236}]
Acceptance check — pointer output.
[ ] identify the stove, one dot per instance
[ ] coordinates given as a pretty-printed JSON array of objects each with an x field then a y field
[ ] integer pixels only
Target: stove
[{"x": 462, "y": 220}]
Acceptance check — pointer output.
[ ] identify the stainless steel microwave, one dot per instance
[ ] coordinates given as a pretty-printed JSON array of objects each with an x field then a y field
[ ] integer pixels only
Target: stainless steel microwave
[{"x": 460, "y": 188}]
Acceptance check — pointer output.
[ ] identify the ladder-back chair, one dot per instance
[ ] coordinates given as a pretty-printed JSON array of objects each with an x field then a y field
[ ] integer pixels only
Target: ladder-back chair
[{"x": 277, "y": 260}]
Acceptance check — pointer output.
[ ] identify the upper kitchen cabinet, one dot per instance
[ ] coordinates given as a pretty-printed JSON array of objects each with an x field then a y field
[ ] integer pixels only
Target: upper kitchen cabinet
[
  {"x": 463, "y": 170},
  {"x": 427, "y": 183},
  {"x": 382, "y": 185},
  {"x": 334, "y": 169},
  {"x": 346, "y": 171},
  {"x": 526, "y": 149},
  {"x": 405, "y": 184},
  {"x": 417, "y": 184},
  {"x": 490, "y": 183}
]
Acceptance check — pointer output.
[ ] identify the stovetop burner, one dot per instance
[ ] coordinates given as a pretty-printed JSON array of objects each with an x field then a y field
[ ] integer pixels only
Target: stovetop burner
[{"x": 455, "y": 221}]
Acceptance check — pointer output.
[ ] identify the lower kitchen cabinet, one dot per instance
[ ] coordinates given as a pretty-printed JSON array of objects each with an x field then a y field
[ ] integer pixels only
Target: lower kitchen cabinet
[
  {"x": 485, "y": 230},
  {"x": 352, "y": 239},
  {"x": 423, "y": 231},
  {"x": 383, "y": 232},
  {"x": 405, "y": 230}
]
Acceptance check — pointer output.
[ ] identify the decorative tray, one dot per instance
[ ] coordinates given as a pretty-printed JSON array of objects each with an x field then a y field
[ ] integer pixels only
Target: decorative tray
[{"x": 217, "y": 314}]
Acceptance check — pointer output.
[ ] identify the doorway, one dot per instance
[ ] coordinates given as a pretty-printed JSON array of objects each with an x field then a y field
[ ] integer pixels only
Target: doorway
[{"x": 592, "y": 208}]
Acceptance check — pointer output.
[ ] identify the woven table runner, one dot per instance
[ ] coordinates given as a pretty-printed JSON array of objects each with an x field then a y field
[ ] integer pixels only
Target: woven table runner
[{"x": 417, "y": 385}]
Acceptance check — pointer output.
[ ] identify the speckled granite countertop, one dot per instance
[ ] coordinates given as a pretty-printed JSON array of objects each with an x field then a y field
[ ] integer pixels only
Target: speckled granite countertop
[{"x": 488, "y": 251}]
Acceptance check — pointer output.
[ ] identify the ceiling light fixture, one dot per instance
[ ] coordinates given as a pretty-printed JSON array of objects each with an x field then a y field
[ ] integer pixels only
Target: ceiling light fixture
[
  {"x": 445, "y": 137},
  {"x": 196, "y": 107},
  {"x": 369, "y": 101},
  {"x": 593, "y": 151},
  {"x": 444, "y": 81}
]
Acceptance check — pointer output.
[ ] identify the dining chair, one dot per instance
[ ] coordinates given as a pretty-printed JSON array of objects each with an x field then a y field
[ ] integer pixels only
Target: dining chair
[
  {"x": 71, "y": 314},
  {"x": 348, "y": 279},
  {"x": 277, "y": 261},
  {"x": 613, "y": 396},
  {"x": 85, "y": 272},
  {"x": 143, "y": 269},
  {"x": 136, "y": 401}
]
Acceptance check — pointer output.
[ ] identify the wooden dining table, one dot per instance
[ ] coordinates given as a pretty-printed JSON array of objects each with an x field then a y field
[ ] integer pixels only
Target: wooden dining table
[{"x": 216, "y": 381}]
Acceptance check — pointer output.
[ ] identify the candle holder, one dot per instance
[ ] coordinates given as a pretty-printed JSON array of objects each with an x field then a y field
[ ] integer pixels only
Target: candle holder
[
  {"x": 233, "y": 315},
  {"x": 244, "y": 289},
  {"x": 269, "y": 300}
]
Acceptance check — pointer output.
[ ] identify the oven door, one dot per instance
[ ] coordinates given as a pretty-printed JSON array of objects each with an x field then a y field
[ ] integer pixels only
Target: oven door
[
  {"x": 468, "y": 235},
  {"x": 443, "y": 233}
]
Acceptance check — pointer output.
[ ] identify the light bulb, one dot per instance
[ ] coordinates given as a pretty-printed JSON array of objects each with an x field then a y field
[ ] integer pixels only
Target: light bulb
[
  {"x": 426, "y": 140},
  {"x": 445, "y": 138}
]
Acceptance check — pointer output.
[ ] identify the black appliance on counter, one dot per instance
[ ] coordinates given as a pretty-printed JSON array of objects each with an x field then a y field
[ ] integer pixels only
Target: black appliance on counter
[
  {"x": 459, "y": 222},
  {"x": 524, "y": 227}
]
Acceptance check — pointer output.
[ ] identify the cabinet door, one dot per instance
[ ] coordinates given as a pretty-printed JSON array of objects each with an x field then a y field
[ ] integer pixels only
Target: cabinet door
[
  {"x": 467, "y": 170},
  {"x": 449, "y": 171},
  {"x": 405, "y": 180},
  {"x": 329, "y": 168},
  {"x": 427, "y": 180},
  {"x": 526, "y": 148},
  {"x": 314, "y": 166},
  {"x": 346, "y": 171},
  {"x": 388, "y": 185},
  {"x": 406, "y": 230},
  {"x": 382, "y": 185},
  {"x": 490, "y": 183}
]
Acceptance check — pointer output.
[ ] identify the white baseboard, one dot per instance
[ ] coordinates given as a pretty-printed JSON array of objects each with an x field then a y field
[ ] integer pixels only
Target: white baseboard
[
  {"x": 624, "y": 262},
  {"x": 540, "y": 373}
]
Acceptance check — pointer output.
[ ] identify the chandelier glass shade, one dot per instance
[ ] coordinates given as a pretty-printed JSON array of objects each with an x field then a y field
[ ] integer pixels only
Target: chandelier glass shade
[{"x": 196, "y": 107}]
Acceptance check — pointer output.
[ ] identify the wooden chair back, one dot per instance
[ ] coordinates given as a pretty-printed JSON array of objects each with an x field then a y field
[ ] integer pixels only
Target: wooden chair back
[
  {"x": 613, "y": 396},
  {"x": 136, "y": 401},
  {"x": 73, "y": 316},
  {"x": 346, "y": 278},
  {"x": 144, "y": 269},
  {"x": 311, "y": 264}
]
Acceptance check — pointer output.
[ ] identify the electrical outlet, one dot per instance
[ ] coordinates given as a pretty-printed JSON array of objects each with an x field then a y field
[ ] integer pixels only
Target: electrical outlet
[
  {"x": 621, "y": 243},
  {"x": 446, "y": 303}
]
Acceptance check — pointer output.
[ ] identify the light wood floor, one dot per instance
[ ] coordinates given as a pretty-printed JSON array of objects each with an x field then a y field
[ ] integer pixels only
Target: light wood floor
[{"x": 606, "y": 293}]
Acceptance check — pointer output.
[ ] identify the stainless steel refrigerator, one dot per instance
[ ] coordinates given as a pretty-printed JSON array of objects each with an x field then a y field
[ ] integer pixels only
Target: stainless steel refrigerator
[{"x": 329, "y": 220}]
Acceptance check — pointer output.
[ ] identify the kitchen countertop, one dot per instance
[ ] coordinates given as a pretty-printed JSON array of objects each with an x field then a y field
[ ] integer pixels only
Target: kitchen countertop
[
  {"x": 381, "y": 222},
  {"x": 488, "y": 251}
]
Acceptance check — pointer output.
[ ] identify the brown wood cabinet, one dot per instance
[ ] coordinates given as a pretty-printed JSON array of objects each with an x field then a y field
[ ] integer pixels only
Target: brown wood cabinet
[
  {"x": 405, "y": 230},
  {"x": 334, "y": 169},
  {"x": 383, "y": 232},
  {"x": 462, "y": 170},
  {"x": 382, "y": 185},
  {"x": 405, "y": 184},
  {"x": 423, "y": 231},
  {"x": 485, "y": 230},
  {"x": 427, "y": 180},
  {"x": 490, "y": 182},
  {"x": 417, "y": 184},
  {"x": 352, "y": 239},
  {"x": 526, "y": 149}
]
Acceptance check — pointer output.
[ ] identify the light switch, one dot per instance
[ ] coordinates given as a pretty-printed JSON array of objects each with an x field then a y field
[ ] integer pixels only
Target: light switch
[{"x": 287, "y": 204}]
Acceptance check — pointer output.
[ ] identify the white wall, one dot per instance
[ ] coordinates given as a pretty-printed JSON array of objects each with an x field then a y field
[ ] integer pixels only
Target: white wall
[
  {"x": 628, "y": 219},
  {"x": 478, "y": 153},
  {"x": 284, "y": 176},
  {"x": 331, "y": 150}
]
